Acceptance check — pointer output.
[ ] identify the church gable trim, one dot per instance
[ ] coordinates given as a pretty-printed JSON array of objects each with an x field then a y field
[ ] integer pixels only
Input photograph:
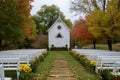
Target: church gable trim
[{"x": 59, "y": 20}]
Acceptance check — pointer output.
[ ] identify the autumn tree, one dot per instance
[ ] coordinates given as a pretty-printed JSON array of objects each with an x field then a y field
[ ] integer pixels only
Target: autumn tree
[
  {"x": 94, "y": 21},
  {"x": 113, "y": 22},
  {"x": 14, "y": 15},
  {"x": 106, "y": 23},
  {"x": 80, "y": 32},
  {"x": 87, "y": 7},
  {"x": 46, "y": 16}
]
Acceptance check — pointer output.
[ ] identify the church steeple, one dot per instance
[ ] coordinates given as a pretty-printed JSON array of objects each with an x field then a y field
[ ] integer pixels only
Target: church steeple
[{"x": 59, "y": 18}]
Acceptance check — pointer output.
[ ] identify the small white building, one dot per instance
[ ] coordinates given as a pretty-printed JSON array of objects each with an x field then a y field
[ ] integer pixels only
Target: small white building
[{"x": 59, "y": 35}]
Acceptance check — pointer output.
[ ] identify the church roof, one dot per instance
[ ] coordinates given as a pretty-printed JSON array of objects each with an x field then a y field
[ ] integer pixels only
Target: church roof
[{"x": 58, "y": 20}]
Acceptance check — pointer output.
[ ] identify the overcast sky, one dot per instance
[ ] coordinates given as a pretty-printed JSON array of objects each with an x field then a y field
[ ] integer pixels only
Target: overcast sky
[{"x": 64, "y": 6}]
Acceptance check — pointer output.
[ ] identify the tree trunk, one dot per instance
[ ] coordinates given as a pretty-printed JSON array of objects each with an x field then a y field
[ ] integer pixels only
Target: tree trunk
[
  {"x": 94, "y": 44},
  {"x": 0, "y": 44},
  {"x": 109, "y": 41},
  {"x": 104, "y": 5},
  {"x": 119, "y": 5}
]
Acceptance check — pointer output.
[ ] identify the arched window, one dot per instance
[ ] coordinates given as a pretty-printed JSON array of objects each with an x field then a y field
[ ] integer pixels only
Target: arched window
[{"x": 59, "y": 35}]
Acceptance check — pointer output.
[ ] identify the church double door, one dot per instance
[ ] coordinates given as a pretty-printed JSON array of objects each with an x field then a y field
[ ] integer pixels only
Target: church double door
[{"x": 59, "y": 42}]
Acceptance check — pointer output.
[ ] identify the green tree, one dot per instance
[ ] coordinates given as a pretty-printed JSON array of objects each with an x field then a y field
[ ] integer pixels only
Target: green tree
[
  {"x": 46, "y": 16},
  {"x": 14, "y": 14},
  {"x": 113, "y": 22},
  {"x": 106, "y": 23},
  {"x": 94, "y": 23}
]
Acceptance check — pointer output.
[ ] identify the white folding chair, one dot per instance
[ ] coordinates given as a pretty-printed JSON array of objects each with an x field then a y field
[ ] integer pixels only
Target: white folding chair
[{"x": 2, "y": 75}]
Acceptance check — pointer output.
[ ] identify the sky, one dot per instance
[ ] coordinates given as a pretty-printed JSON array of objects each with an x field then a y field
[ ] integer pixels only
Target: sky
[{"x": 64, "y": 6}]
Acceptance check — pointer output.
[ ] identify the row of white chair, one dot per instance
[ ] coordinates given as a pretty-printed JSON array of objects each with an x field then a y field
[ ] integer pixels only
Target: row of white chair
[
  {"x": 105, "y": 59},
  {"x": 12, "y": 59}
]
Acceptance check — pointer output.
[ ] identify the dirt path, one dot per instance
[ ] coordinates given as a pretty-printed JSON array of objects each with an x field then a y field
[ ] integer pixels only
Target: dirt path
[{"x": 60, "y": 70}]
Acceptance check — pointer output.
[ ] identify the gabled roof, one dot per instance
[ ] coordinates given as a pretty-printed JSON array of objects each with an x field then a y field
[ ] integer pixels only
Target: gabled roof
[{"x": 58, "y": 20}]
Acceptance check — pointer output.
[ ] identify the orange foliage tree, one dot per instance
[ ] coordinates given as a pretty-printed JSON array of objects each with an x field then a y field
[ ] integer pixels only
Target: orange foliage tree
[
  {"x": 80, "y": 32},
  {"x": 15, "y": 19}
]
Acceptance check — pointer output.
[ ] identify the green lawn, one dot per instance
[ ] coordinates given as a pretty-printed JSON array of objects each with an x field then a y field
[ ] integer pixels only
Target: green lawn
[
  {"x": 116, "y": 47},
  {"x": 45, "y": 67}
]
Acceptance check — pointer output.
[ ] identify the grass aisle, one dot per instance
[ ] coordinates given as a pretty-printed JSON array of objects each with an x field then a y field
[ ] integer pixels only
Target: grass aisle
[
  {"x": 60, "y": 69},
  {"x": 44, "y": 67},
  {"x": 78, "y": 70},
  {"x": 80, "y": 73}
]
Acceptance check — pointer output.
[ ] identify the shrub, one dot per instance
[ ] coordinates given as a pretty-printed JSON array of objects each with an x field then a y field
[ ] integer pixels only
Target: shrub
[
  {"x": 81, "y": 44},
  {"x": 41, "y": 57},
  {"x": 114, "y": 77},
  {"x": 25, "y": 68},
  {"x": 25, "y": 72},
  {"x": 78, "y": 57},
  {"x": 93, "y": 63},
  {"x": 45, "y": 53},
  {"x": 52, "y": 45},
  {"x": 34, "y": 65},
  {"x": 105, "y": 74},
  {"x": 83, "y": 60},
  {"x": 66, "y": 45},
  {"x": 90, "y": 65}
]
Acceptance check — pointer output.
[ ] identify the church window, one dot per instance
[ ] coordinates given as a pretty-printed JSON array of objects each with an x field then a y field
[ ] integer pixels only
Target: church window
[
  {"x": 59, "y": 35},
  {"x": 59, "y": 27}
]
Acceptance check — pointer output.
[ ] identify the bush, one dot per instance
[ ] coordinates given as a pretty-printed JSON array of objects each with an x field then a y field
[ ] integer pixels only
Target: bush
[
  {"x": 81, "y": 44},
  {"x": 34, "y": 65},
  {"x": 90, "y": 65},
  {"x": 105, "y": 74},
  {"x": 41, "y": 58},
  {"x": 25, "y": 72},
  {"x": 45, "y": 53},
  {"x": 84, "y": 61},
  {"x": 114, "y": 77}
]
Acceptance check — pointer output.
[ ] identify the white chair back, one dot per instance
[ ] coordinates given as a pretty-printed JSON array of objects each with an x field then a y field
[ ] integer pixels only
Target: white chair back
[{"x": 2, "y": 76}]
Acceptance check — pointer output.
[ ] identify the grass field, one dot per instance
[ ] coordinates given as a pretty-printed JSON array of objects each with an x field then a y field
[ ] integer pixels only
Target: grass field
[{"x": 116, "y": 47}]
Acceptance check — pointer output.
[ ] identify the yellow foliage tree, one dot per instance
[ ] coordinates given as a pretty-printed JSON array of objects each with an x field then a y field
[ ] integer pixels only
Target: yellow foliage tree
[{"x": 105, "y": 23}]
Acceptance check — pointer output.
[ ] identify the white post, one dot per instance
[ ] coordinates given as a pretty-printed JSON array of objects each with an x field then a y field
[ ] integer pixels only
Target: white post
[{"x": 2, "y": 75}]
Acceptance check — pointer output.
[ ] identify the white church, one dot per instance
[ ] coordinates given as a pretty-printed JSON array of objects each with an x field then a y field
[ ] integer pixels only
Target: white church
[{"x": 59, "y": 35}]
